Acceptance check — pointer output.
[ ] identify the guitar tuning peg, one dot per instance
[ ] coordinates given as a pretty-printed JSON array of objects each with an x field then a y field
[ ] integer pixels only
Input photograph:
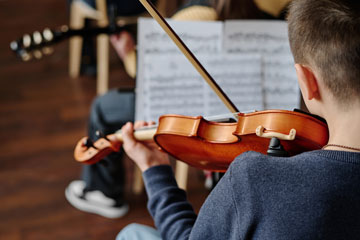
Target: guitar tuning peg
[
  {"x": 37, "y": 38},
  {"x": 64, "y": 28},
  {"x": 26, "y": 41},
  {"x": 14, "y": 46},
  {"x": 25, "y": 56},
  {"x": 47, "y": 50},
  {"x": 48, "y": 34},
  {"x": 37, "y": 54}
]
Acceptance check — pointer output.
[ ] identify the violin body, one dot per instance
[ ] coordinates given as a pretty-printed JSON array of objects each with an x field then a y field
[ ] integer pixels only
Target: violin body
[{"x": 213, "y": 146}]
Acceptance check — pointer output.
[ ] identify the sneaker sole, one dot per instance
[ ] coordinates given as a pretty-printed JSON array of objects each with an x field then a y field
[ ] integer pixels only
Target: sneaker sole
[{"x": 108, "y": 212}]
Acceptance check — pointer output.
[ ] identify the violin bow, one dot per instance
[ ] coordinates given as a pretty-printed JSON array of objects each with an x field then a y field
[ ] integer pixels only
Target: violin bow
[{"x": 189, "y": 55}]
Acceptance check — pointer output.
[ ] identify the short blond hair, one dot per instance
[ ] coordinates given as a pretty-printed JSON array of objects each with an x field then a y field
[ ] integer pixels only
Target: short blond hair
[{"x": 325, "y": 34}]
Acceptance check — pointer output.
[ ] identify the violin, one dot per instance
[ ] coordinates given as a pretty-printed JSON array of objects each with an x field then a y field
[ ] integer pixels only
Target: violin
[
  {"x": 214, "y": 145},
  {"x": 211, "y": 145}
]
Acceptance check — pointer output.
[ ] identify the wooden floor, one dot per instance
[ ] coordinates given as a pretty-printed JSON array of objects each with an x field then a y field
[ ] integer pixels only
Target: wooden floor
[{"x": 42, "y": 115}]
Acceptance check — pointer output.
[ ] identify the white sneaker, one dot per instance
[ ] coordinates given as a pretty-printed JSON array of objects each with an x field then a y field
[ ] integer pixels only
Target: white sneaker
[{"x": 93, "y": 201}]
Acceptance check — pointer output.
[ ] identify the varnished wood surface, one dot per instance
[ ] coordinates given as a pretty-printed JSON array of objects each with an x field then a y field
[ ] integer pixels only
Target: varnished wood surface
[{"x": 43, "y": 113}]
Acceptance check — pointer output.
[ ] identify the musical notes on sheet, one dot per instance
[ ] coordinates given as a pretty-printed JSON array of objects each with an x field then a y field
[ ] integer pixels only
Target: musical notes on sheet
[
  {"x": 270, "y": 40},
  {"x": 172, "y": 85},
  {"x": 253, "y": 66}
]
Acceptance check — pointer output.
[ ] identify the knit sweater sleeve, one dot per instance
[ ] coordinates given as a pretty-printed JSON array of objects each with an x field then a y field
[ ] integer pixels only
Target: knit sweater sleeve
[
  {"x": 228, "y": 212},
  {"x": 219, "y": 216},
  {"x": 173, "y": 215}
]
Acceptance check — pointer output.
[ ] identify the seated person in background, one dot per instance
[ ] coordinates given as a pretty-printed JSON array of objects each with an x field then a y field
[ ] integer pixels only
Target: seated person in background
[
  {"x": 313, "y": 195},
  {"x": 101, "y": 189},
  {"x": 123, "y": 8},
  {"x": 204, "y": 10}
]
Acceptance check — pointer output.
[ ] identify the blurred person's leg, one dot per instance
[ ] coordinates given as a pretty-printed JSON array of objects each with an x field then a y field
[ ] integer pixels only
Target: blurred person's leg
[{"x": 101, "y": 189}]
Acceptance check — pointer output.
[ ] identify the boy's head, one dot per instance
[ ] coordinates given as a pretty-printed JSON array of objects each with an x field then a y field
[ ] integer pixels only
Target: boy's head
[{"x": 325, "y": 37}]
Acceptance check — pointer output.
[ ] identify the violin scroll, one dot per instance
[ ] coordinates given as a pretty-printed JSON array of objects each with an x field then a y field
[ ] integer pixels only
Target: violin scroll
[{"x": 89, "y": 152}]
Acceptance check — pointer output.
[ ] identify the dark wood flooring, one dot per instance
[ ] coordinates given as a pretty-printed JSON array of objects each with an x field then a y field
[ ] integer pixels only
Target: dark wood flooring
[{"x": 43, "y": 113}]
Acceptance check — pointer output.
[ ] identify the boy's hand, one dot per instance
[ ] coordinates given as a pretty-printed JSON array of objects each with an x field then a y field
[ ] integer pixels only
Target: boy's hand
[{"x": 145, "y": 155}]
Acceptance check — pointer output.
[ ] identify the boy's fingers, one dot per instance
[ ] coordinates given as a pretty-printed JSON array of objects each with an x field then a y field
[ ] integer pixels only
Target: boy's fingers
[
  {"x": 139, "y": 124},
  {"x": 127, "y": 133}
]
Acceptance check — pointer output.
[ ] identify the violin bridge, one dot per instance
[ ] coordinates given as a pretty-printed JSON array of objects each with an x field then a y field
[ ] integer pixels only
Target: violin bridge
[{"x": 260, "y": 132}]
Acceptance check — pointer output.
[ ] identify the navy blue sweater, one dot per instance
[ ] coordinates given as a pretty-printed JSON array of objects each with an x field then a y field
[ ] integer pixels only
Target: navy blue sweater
[{"x": 314, "y": 195}]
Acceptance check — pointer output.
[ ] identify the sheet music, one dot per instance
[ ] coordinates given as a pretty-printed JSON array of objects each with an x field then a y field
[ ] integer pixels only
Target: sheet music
[
  {"x": 155, "y": 45},
  {"x": 174, "y": 86},
  {"x": 252, "y": 78},
  {"x": 270, "y": 40},
  {"x": 240, "y": 78}
]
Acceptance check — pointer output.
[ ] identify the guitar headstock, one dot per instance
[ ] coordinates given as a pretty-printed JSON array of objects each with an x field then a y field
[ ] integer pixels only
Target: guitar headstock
[
  {"x": 37, "y": 44},
  {"x": 89, "y": 152}
]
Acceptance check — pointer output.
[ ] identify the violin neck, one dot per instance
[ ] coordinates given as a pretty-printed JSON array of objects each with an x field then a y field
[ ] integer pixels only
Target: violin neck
[{"x": 144, "y": 134}]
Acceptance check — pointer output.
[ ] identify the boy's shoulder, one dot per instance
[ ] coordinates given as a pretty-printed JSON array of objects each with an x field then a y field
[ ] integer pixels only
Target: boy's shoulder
[{"x": 257, "y": 167}]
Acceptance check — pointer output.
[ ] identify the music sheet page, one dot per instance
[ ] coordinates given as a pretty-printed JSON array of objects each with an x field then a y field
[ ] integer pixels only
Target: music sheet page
[
  {"x": 167, "y": 82},
  {"x": 269, "y": 39}
]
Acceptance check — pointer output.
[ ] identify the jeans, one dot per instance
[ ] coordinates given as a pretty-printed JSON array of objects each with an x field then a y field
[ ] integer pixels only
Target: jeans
[
  {"x": 136, "y": 231},
  {"x": 108, "y": 114}
]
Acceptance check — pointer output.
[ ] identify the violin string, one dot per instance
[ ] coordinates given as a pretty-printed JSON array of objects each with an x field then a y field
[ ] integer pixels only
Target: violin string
[
  {"x": 211, "y": 118},
  {"x": 141, "y": 129},
  {"x": 222, "y": 116}
]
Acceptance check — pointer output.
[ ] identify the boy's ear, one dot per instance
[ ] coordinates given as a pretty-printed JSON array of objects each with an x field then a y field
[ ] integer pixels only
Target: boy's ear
[{"x": 308, "y": 82}]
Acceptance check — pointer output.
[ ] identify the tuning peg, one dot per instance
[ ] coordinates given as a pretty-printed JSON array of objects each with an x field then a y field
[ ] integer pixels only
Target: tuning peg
[
  {"x": 26, "y": 40},
  {"x": 37, "y": 54},
  {"x": 100, "y": 134},
  {"x": 47, "y": 50},
  {"x": 48, "y": 35},
  {"x": 88, "y": 143},
  {"x": 37, "y": 38},
  {"x": 25, "y": 56},
  {"x": 64, "y": 28},
  {"x": 14, "y": 46}
]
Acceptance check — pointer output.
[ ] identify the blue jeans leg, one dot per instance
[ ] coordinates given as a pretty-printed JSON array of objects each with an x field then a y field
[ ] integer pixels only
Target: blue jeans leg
[
  {"x": 108, "y": 114},
  {"x": 136, "y": 231}
]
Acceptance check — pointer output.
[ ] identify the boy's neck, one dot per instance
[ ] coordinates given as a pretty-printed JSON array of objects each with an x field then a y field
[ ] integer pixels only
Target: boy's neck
[{"x": 344, "y": 128}]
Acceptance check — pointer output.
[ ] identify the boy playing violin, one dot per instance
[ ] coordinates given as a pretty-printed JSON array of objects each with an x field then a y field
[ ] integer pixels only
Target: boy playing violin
[{"x": 313, "y": 195}]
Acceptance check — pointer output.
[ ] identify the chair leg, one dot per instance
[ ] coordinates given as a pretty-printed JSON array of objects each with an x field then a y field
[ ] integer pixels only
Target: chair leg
[
  {"x": 75, "y": 46},
  {"x": 78, "y": 12},
  {"x": 181, "y": 174},
  {"x": 138, "y": 183},
  {"x": 103, "y": 43},
  {"x": 102, "y": 64},
  {"x": 77, "y": 21}
]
